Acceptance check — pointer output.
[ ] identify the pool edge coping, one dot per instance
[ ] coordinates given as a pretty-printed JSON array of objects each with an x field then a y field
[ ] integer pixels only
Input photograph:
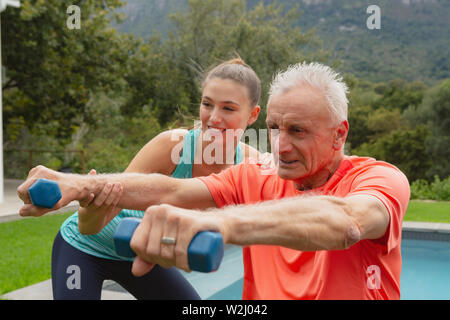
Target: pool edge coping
[{"x": 437, "y": 227}]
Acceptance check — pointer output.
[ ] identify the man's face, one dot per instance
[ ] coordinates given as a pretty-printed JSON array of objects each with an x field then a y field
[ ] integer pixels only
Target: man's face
[{"x": 303, "y": 138}]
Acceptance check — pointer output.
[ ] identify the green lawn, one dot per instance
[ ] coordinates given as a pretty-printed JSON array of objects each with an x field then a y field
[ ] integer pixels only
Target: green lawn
[
  {"x": 428, "y": 211},
  {"x": 26, "y": 244},
  {"x": 25, "y": 250}
]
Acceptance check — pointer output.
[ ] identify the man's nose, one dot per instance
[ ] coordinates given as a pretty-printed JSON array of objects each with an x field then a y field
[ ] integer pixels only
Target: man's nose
[
  {"x": 284, "y": 142},
  {"x": 280, "y": 141}
]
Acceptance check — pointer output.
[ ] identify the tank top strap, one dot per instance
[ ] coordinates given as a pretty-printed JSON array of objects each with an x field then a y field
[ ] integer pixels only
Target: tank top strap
[
  {"x": 184, "y": 167},
  {"x": 238, "y": 154}
]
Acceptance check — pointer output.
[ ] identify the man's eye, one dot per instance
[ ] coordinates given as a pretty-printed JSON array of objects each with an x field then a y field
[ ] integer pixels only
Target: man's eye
[
  {"x": 297, "y": 130},
  {"x": 274, "y": 130}
]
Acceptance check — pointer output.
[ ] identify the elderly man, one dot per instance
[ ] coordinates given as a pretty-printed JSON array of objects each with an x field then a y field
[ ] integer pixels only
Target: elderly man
[{"x": 322, "y": 226}]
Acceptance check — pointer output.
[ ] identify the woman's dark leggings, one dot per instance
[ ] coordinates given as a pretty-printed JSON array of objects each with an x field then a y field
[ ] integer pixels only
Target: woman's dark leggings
[{"x": 77, "y": 275}]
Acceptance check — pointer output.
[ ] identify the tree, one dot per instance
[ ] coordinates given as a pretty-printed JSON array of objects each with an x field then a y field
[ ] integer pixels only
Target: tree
[
  {"x": 67, "y": 86},
  {"x": 54, "y": 71},
  {"x": 116, "y": 139},
  {"x": 359, "y": 131},
  {"x": 154, "y": 83},
  {"x": 211, "y": 31},
  {"x": 383, "y": 121},
  {"x": 405, "y": 149},
  {"x": 400, "y": 94},
  {"x": 434, "y": 112}
]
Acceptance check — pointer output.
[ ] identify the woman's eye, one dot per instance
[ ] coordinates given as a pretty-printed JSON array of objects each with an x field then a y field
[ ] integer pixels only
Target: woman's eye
[
  {"x": 206, "y": 104},
  {"x": 229, "y": 108}
]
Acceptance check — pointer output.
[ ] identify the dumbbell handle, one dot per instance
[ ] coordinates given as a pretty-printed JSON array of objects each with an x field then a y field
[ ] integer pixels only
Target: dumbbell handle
[{"x": 205, "y": 252}]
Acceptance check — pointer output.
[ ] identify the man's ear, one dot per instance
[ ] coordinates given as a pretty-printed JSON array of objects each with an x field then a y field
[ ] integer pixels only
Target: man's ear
[
  {"x": 341, "y": 133},
  {"x": 254, "y": 115}
]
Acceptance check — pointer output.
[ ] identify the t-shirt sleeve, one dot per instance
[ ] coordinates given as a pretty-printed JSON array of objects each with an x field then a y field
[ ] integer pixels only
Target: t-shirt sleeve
[
  {"x": 391, "y": 187},
  {"x": 225, "y": 186}
]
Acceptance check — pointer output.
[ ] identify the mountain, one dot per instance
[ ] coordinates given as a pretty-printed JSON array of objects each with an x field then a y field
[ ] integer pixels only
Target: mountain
[
  {"x": 412, "y": 43},
  {"x": 145, "y": 17}
]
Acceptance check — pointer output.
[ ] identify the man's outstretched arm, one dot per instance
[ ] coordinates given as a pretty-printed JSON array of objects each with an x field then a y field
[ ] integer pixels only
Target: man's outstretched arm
[
  {"x": 300, "y": 223},
  {"x": 139, "y": 190}
]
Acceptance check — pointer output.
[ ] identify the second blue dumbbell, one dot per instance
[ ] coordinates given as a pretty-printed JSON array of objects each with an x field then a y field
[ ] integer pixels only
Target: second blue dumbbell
[{"x": 205, "y": 252}]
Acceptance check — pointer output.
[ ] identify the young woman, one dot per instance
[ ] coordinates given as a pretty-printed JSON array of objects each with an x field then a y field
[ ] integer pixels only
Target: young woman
[{"x": 84, "y": 245}]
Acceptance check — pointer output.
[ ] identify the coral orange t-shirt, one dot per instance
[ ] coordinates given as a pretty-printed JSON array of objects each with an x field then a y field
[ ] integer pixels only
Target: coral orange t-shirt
[{"x": 369, "y": 269}]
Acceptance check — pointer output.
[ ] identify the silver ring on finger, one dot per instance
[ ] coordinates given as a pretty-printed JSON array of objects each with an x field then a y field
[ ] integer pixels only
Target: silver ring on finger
[{"x": 168, "y": 240}]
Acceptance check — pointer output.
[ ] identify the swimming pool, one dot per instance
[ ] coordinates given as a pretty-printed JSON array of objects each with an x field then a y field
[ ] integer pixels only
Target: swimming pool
[
  {"x": 425, "y": 270},
  {"x": 425, "y": 273},
  {"x": 226, "y": 282}
]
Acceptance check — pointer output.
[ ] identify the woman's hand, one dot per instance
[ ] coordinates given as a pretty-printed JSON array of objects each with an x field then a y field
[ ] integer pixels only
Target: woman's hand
[{"x": 95, "y": 212}]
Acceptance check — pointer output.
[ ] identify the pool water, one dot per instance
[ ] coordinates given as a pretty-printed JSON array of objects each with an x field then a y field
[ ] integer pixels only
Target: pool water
[
  {"x": 224, "y": 284},
  {"x": 425, "y": 273},
  {"x": 425, "y": 270}
]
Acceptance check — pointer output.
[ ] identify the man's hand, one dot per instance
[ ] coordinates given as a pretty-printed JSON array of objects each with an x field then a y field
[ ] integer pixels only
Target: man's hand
[
  {"x": 171, "y": 222},
  {"x": 67, "y": 185}
]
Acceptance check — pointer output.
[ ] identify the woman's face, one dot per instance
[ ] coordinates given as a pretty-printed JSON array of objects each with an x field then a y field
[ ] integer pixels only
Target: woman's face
[{"x": 226, "y": 106}]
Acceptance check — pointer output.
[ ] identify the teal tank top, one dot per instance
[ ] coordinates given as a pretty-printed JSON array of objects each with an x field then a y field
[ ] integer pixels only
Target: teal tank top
[{"x": 102, "y": 244}]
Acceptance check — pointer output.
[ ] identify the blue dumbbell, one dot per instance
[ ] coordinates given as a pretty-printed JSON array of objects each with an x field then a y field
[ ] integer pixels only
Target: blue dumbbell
[
  {"x": 205, "y": 252},
  {"x": 44, "y": 193}
]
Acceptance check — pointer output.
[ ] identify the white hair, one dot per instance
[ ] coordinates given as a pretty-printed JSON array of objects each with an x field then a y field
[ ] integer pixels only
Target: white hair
[{"x": 318, "y": 76}]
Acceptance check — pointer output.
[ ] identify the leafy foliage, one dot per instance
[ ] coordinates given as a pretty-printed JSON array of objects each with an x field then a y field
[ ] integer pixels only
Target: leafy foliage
[
  {"x": 434, "y": 111},
  {"x": 412, "y": 43},
  {"x": 403, "y": 148},
  {"x": 436, "y": 190},
  {"x": 211, "y": 31},
  {"x": 410, "y": 131},
  {"x": 108, "y": 93},
  {"x": 91, "y": 88},
  {"x": 52, "y": 71}
]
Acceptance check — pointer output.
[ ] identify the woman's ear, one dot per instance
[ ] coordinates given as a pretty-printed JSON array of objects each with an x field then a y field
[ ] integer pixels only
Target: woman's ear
[{"x": 254, "y": 115}]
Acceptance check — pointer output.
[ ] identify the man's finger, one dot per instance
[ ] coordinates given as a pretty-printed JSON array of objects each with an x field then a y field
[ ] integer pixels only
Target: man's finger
[
  {"x": 29, "y": 210},
  {"x": 139, "y": 240},
  {"x": 141, "y": 267},
  {"x": 170, "y": 230},
  {"x": 87, "y": 201},
  {"x": 181, "y": 248},
  {"x": 22, "y": 191}
]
